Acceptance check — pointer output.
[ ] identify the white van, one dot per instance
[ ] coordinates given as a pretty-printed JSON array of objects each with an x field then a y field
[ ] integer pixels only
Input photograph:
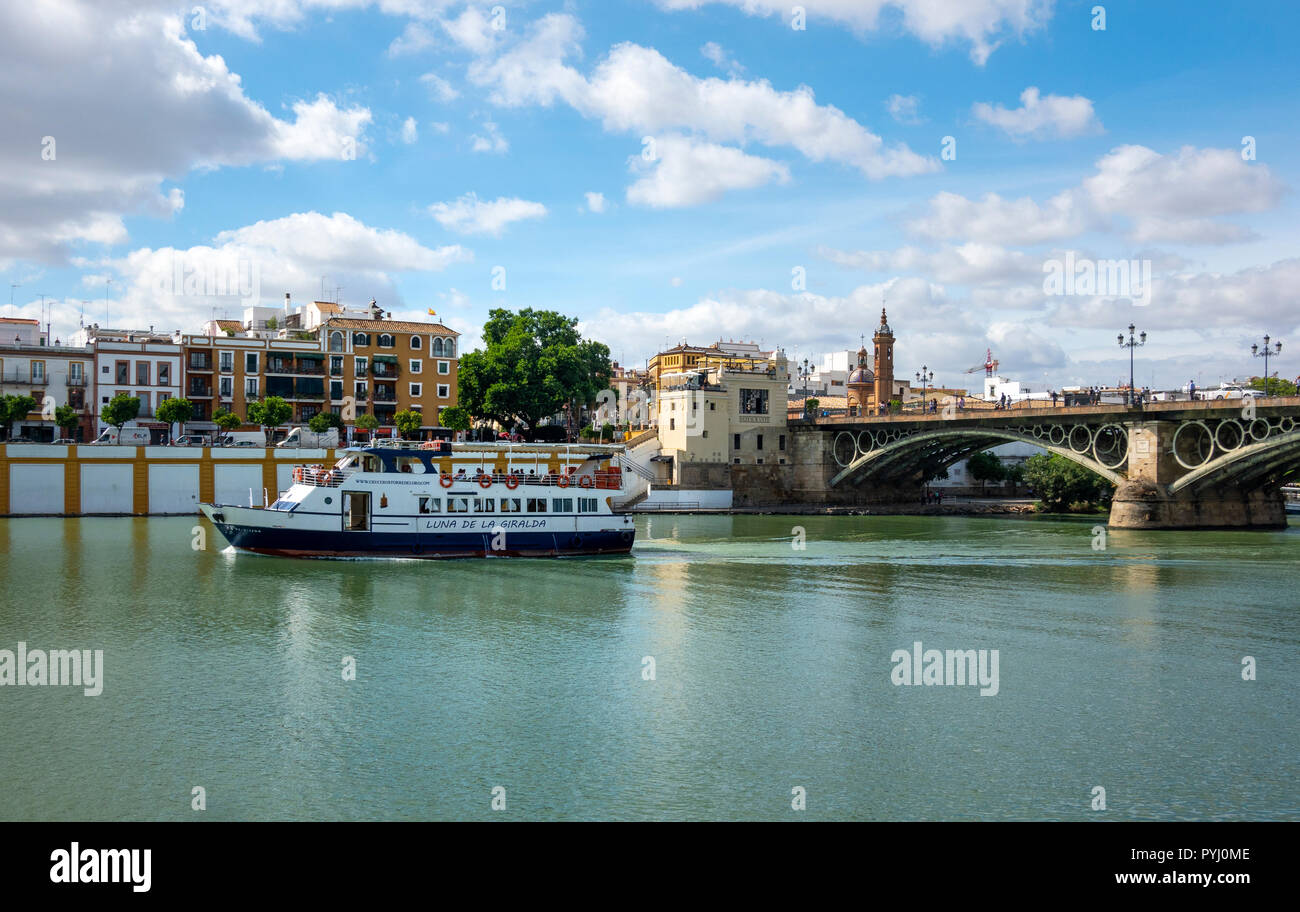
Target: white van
[
  {"x": 130, "y": 436},
  {"x": 306, "y": 437},
  {"x": 242, "y": 439}
]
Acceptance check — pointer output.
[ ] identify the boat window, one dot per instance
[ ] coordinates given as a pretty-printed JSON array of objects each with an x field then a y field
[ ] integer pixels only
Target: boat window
[
  {"x": 485, "y": 505},
  {"x": 457, "y": 504},
  {"x": 537, "y": 505},
  {"x": 411, "y": 464},
  {"x": 510, "y": 505},
  {"x": 587, "y": 505},
  {"x": 430, "y": 504},
  {"x": 371, "y": 463},
  {"x": 562, "y": 505}
]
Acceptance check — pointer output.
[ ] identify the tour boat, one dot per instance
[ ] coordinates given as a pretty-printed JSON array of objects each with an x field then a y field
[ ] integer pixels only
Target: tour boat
[{"x": 439, "y": 500}]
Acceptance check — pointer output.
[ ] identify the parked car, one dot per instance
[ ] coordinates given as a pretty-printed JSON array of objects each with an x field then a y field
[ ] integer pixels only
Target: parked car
[
  {"x": 199, "y": 440},
  {"x": 130, "y": 436},
  {"x": 242, "y": 438},
  {"x": 63, "y": 441}
]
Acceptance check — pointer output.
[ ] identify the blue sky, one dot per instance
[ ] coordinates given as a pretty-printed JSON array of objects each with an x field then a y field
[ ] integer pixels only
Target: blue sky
[{"x": 479, "y": 134}]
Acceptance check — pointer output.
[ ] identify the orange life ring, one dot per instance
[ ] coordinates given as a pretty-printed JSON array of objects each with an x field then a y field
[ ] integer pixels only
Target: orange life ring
[
  {"x": 563, "y": 481},
  {"x": 512, "y": 481},
  {"x": 445, "y": 480},
  {"x": 585, "y": 481},
  {"x": 485, "y": 481}
]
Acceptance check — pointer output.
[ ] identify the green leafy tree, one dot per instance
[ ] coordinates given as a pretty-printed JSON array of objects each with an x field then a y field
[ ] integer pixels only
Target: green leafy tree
[
  {"x": 15, "y": 408},
  {"x": 269, "y": 413},
  {"x": 533, "y": 363},
  {"x": 810, "y": 406},
  {"x": 367, "y": 422},
  {"x": 1061, "y": 483},
  {"x": 1015, "y": 474},
  {"x": 176, "y": 411},
  {"x": 455, "y": 418},
  {"x": 408, "y": 422},
  {"x": 1276, "y": 386},
  {"x": 985, "y": 467},
  {"x": 225, "y": 420},
  {"x": 323, "y": 421},
  {"x": 66, "y": 417},
  {"x": 120, "y": 409}
]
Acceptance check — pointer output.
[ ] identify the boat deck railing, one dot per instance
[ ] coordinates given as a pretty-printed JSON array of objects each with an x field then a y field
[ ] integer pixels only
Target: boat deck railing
[{"x": 326, "y": 477}]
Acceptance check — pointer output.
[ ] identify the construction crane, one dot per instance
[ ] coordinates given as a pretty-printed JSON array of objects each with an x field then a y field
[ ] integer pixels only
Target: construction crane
[{"x": 989, "y": 365}]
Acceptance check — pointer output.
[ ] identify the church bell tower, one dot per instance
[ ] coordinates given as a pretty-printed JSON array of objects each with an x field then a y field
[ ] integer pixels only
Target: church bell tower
[{"x": 884, "y": 343}]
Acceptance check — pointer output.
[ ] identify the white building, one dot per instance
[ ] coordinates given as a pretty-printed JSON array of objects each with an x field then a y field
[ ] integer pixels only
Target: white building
[
  {"x": 143, "y": 364},
  {"x": 825, "y": 379}
]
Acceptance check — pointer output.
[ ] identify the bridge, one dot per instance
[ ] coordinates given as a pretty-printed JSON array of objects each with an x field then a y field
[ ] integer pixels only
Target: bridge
[{"x": 1176, "y": 465}]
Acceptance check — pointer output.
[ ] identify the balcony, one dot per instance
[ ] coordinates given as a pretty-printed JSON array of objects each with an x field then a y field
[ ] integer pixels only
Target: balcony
[
  {"x": 308, "y": 367},
  {"x": 383, "y": 394},
  {"x": 382, "y": 371},
  {"x": 199, "y": 391},
  {"x": 199, "y": 363},
  {"x": 76, "y": 381}
]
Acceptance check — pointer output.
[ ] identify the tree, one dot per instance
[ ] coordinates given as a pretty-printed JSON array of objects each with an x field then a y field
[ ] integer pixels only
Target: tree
[
  {"x": 66, "y": 417},
  {"x": 408, "y": 422},
  {"x": 323, "y": 421},
  {"x": 120, "y": 409},
  {"x": 1061, "y": 483},
  {"x": 15, "y": 408},
  {"x": 1277, "y": 386},
  {"x": 810, "y": 406},
  {"x": 367, "y": 422},
  {"x": 533, "y": 363},
  {"x": 1015, "y": 474},
  {"x": 176, "y": 411},
  {"x": 984, "y": 467},
  {"x": 454, "y": 418},
  {"x": 269, "y": 413},
  {"x": 225, "y": 420}
]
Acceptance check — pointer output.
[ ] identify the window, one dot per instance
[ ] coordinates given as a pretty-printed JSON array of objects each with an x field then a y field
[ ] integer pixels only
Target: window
[
  {"x": 485, "y": 504},
  {"x": 735, "y": 441},
  {"x": 416, "y": 392},
  {"x": 38, "y": 371},
  {"x": 780, "y": 443},
  {"x": 164, "y": 374},
  {"x": 443, "y": 391},
  {"x": 226, "y": 386},
  {"x": 449, "y": 347},
  {"x": 704, "y": 433},
  {"x": 760, "y": 460},
  {"x": 457, "y": 504},
  {"x": 759, "y": 438},
  {"x": 226, "y": 361},
  {"x": 336, "y": 365},
  {"x": 142, "y": 373},
  {"x": 444, "y": 367},
  {"x": 753, "y": 402},
  {"x": 360, "y": 366},
  {"x": 437, "y": 347},
  {"x": 163, "y": 397},
  {"x": 336, "y": 341},
  {"x": 123, "y": 372},
  {"x": 430, "y": 504},
  {"x": 250, "y": 362},
  {"x": 416, "y": 364},
  {"x": 510, "y": 505},
  {"x": 385, "y": 340},
  {"x": 537, "y": 505},
  {"x": 144, "y": 405},
  {"x": 250, "y": 388},
  {"x": 713, "y": 406},
  {"x": 74, "y": 371},
  {"x": 672, "y": 424},
  {"x": 360, "y": 340},
  {"x": 336, "y": 390},
  {"x": 415, "y": 342},
  {"x": 587, "y": 505},
  {"x": 361, "y": 393},
  {"x": 105, "y": 370},
  {"x": 562, "y": 505}
]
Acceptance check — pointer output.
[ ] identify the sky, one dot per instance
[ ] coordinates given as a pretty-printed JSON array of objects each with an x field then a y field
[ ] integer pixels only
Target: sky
[{"x": 669, "y": 170}]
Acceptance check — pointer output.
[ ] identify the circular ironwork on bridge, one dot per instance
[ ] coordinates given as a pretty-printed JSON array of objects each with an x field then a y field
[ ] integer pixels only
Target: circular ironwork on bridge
[
  {"x": 1039, "y": 431},
  {"x": 1110, "y": 446},
  {"x": 844, "y": 448},
  {"x": 1258, "y": 429},
  {"x": 865, "y": 442},
  {"x": 1229, "y": 435},
  {"x": 1286, "y": 425},
  {"x": 1056, "y": 435},
  {"x": 1193, "y": 444},
  {"x": 1080, "y": 438}
]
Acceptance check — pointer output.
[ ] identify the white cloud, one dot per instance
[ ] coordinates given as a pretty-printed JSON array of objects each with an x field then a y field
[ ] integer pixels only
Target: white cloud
[
  {"x": 1152, "y": 197},
  {"x": 636, "y": 89},
  {"x": 903, "y": 108},
  {"x": 687, "y": 173},
  {"x": 595, "y": 201},
  {"x": 984, "y": 24},
  {"x": 972, "y": 263},
  {"x": 470, "y": 215},
  {"x": 719, "y": 57},
  {"x": 1042, "y": 116},
  {"x": 130, "y": 104},
  {"x": 493, "y": 142},
  {"x": 410, "y": 132},
  {"x": 440, "y": 126},
  {"x": 472, "y": 30},
  {"x": 439, "y": 88},
  {"x": 284, "y": 254}
]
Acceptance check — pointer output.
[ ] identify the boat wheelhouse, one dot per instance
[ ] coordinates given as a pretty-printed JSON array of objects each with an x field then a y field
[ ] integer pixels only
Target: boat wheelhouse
[{"x": 442, "y": 500}]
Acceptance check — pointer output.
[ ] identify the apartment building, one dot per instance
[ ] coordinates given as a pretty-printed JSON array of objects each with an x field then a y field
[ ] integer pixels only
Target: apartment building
[
  {"x": 139, "y": 363},
  {"x": 53, "y": 375}
]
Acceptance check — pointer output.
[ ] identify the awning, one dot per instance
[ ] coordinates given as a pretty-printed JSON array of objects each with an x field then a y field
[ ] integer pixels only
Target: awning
[{"x": 392, "y": 359}]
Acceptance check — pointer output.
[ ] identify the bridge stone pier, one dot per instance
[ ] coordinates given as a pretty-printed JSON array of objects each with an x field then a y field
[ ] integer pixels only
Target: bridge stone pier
[{"x": 1175, "y": 465}]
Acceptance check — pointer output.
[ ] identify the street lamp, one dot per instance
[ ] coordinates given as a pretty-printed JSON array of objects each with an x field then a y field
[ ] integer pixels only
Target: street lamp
[
  {"x": 1131, "y": 344},
  {"x": 804, "y": 375},
  {"x": 1277, "y": 350},
  {"x": 924, "y": 376}
]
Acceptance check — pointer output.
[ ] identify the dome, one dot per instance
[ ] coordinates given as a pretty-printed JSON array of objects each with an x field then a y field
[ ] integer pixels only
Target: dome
[{"x": 861, "y": 375}]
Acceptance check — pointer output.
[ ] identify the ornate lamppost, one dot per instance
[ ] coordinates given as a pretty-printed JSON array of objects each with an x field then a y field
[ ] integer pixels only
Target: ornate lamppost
[
  {"x": 1131, "y": 344},
  {"x": 924, "y": 376},
  {"x": 1276, "y": 350}
]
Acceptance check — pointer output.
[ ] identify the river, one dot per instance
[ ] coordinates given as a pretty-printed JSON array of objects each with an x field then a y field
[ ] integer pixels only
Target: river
[{"x": 729, "y": 666}]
